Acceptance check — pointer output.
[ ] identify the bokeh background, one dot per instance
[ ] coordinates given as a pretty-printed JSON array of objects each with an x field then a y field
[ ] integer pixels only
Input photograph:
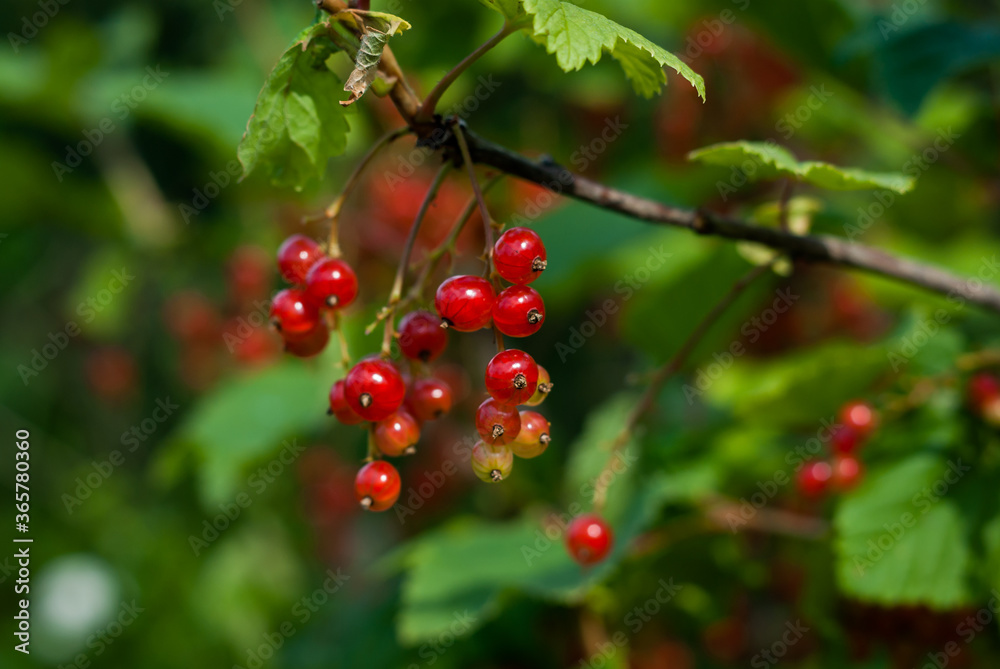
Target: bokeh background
[{"x": 192, "y": 503}]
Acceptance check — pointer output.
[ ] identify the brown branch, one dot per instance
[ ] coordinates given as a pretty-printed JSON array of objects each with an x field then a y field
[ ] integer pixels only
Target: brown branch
[{"x": 814, "y": 248}]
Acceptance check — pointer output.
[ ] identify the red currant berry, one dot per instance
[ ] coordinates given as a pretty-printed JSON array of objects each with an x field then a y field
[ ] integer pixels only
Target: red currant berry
[
  {"x": 814, "y": 478},
  {"x": 491, "y": 464},
  {"x": 376, "y": 486},
  {"x": 519, "y": 256},
  {"x": 310, "y": 344},
  {"x": 982, "y": 389},
  {"x": 374, "y": 389},
  {"x": 339, "y": 407},
  {"x": 397, "y": 435},
  {"x": 496, "y": 423},
  {"x": 543, "y": 388},
  {"x": 332, "y": 283},
  {"x": 519, "y": 311},
  {"x": 533, "y": 438},
  {"x": 847, "y": 472},
  {"x": 465, "y": 302},
  {"x": 860, "y": 416},
  {"x": 430, "y": 399},
  {"x": 421, "y": 336},
  {"x": 293, "y": 314},
  {"x": 844, "y": 439},
  {"x": 588, "y": 539},
  {"x": 511, "y": 377},
  {"x": 296, "y": 256}
]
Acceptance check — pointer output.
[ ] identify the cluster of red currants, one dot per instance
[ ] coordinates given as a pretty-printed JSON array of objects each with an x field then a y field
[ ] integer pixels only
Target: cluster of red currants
[
  {"x": 319, "y": 284},
  {"x": 469, "y": 303},
  {"x": 984, "y": 397},
  {"x": 844, "y": 471}
]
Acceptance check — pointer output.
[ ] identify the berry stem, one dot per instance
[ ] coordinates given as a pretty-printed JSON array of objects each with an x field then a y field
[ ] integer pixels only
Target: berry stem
[
  {"x": 388, "y": 312},
  {"x": 648, "y": 397},
  {"x": 484, "y": 211},
  {"x": 332, "y": 212},
  {"x": 450, "y": 245},
  {"x": 427, "y": 108},
  {"x": 334, "y": 323}
]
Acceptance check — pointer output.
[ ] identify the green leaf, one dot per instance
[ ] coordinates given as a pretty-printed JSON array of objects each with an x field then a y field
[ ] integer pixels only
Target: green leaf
[
  {"x": 378, "y": 29},
  {"x": 902, "y": 539},
  {"x": 248, "y": 418},
  {"x": 577, "y": 36},
  {"x": 767, "y": 160},
  {"x": 298, "y": 122},
  {"x": 589, "y": 453}
]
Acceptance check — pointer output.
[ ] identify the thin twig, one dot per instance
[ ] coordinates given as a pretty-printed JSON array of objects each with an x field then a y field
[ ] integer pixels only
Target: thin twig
[
  {"x": 487, "y": 223},
  {"x": 426, "y": 111},
  {"x": 648, "y": 397},
  {"x": 432, "y": 261},
  {"x": 332, "y": 212},
  {"x": 388, "y": 312}
]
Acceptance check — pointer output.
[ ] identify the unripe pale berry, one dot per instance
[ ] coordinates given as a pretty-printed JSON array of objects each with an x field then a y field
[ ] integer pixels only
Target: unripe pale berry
[
  {"x": 397, "y": 435},
  {"x": 511, "y": 377},
  {"x": 533, "y": 437},
  {"x": 374, "y": 389},
  {"x": 376, "y": 486},
  {"x": 589, "y": 539},
  {"x": 519, "y": 255},
  {"x": 331, "y": 283},
  {"x": 497, "y": 424},
  {"x": 543, "y": 388},
  {"x": 296, "y": 256},
  {"x": 519, "y": 311},
  {"x": 491, "y": 463},
  {"x": 465, "y": 303}
]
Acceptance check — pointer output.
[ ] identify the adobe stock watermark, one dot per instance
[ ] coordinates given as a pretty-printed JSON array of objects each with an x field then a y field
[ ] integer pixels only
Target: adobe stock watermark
[
  {"x": 915, "y": 165},
  {"x": 556, "y": 524},
  {"x": 213, "y": 186},
  {"x": 769, "y": 488},
  {"x": 235, "y": 336},
  {"x": 753, "y": 329},
  {"x": 121, "y": 108},
  {"x": 212, "y": 528},
  {"x": 407, "y": 164},
  {"x": 32, "y": 24},
  {"x": 625, "y": 288},
  {"x": 967, "y": 630},
  {"x": 908, "y": 346},
  {"x": 770, "y": 656},
  {"x": 413, "y": 498},
  {"x": 302, "y": 611},
  {"x": 88, "y": 309},
  {"x": 740, "y": 175},
  {"x": 99, "y": 641},
  {"x": 432, "y": 650},
  {"x": 133, "y": 438},
  {"x": 921, "y": 502},
  {"x": 899, "y": 14}
]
